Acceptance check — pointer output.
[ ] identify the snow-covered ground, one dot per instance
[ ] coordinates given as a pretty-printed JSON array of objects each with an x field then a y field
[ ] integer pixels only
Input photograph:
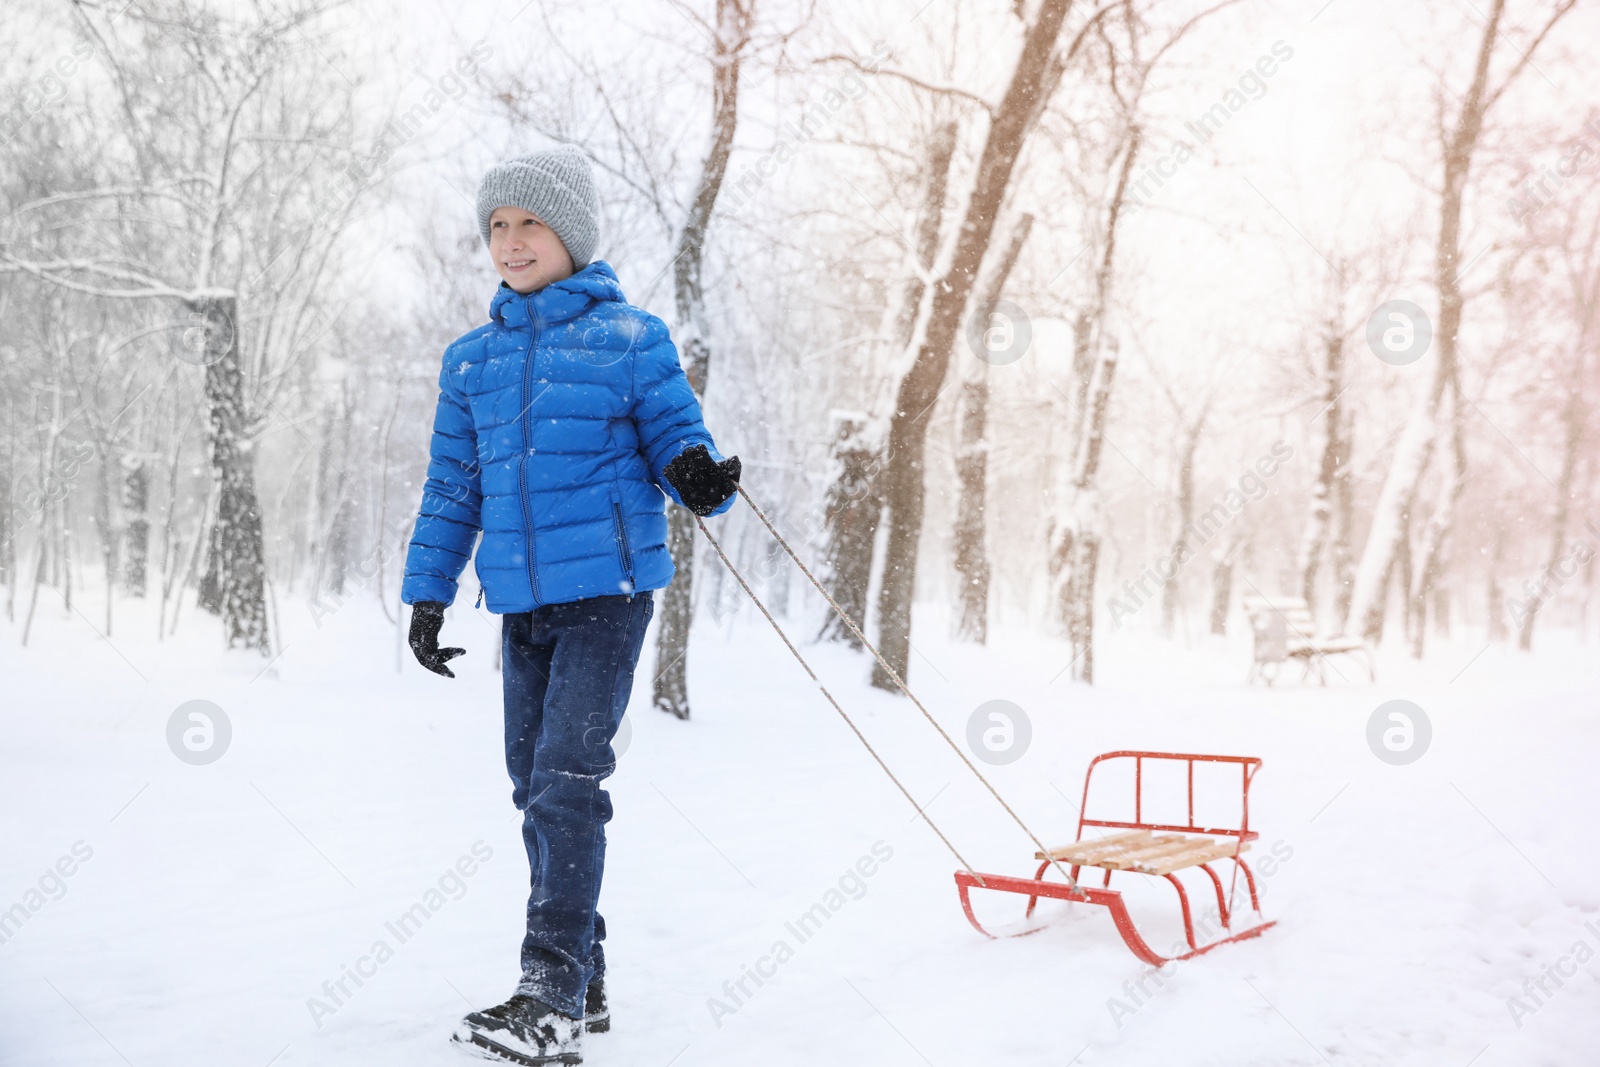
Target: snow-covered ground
[{"x": 207, "y": 906}]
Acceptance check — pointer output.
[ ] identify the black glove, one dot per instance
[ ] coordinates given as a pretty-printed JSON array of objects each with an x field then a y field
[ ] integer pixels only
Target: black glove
[
  {"x": 702, "y": 485},
  {"x": 426, "y": 618}
]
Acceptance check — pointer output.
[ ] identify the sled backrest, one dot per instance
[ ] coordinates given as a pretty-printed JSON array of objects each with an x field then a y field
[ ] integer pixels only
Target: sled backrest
[{"x": 1177, "y": 773}]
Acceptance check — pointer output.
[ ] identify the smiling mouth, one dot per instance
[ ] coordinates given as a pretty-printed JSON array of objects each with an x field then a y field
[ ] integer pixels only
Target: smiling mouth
[{"x": 518, "y": 264}]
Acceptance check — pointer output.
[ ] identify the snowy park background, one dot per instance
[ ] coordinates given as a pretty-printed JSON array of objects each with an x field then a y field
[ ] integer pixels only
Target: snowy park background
[{"x": 1045, "y": 384}]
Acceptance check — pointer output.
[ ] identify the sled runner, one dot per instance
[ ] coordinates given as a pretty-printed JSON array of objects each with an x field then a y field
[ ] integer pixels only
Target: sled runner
[{"x": 1150, "y": 848}]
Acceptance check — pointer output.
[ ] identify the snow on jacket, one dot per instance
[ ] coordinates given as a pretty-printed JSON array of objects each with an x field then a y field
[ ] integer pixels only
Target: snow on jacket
[{"x": 554, "y": 424}]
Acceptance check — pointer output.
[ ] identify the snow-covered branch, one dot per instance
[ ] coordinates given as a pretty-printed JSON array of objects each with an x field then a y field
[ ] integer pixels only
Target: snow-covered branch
[{"x": 140, "y": 286}]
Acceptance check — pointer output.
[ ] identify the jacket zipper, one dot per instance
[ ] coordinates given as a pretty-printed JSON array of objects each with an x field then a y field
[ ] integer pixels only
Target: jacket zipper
[
  {"x": 622, "y": 543},
  {"x": 527, "y": 445}
]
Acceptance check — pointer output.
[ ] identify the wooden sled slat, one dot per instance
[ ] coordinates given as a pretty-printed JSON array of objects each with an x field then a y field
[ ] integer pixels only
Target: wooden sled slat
[
  {"x": 1203, "y": 852},
  {"x": 1087, "y": 853},
  {"x": 1146, "y": 853}
]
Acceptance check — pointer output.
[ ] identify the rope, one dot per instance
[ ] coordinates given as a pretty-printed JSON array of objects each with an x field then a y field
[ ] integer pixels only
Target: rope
[
  {"x": 848, "y": 721},
  {"x": 890, "y": 671}
]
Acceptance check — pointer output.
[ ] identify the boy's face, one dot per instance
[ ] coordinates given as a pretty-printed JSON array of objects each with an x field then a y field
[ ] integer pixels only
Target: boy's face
[{"x": 526, "y": 252}]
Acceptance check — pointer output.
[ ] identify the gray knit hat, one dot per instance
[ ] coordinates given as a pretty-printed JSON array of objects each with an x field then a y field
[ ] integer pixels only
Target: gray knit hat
[{"x": 557, "y": 186}]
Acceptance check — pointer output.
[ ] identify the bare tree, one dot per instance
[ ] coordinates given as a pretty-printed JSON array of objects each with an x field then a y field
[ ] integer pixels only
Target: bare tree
[
  {"x": 1333, "y": 457},
  {"x": 732, "y": 36},
  {"x": 1222, "y": 578},
  {"x": 1424, "y": 584},
  {"x": 854, "y": 507},
  {"x": 236, "y": 133},
  {"x": 1342, "y": 553},
  {"x": 1075, "y": 531},
  {"x": 1077, "y": 524},
  {"x": 972, "y": 458},
  {"x": 852, "y": 511},
  {"x": 1575, "y": 244},
  {"x": 1189, "y": 444},
  {"x": 1076, "y": 536},
  {"x": 1388, "y": 536},
  {"x": 1038, "y": 68}
]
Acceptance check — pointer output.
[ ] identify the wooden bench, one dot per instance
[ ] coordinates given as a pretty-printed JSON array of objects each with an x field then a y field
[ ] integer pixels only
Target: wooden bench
[
  {"x": 1285, "y": 630},
  {"x": 1143, "y": 846}
]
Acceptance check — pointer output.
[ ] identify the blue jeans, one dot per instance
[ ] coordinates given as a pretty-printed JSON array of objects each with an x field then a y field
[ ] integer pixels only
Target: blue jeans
[{"x": 568, "y": 670}]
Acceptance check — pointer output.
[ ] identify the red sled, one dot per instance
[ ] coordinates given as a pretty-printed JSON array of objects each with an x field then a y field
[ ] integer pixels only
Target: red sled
[{"x": 1148, "y": 848}]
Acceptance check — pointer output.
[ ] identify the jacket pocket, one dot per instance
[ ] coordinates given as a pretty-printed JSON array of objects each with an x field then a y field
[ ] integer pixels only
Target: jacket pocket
[{"x": 624, "y": 553}]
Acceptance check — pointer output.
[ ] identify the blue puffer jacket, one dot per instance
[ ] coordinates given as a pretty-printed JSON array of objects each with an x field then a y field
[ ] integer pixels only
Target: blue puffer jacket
[{"x": 554, "y": 425}]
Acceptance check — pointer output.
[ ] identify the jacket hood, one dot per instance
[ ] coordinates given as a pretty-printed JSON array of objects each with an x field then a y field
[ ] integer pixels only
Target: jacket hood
[{"x": 557, "y": 301}]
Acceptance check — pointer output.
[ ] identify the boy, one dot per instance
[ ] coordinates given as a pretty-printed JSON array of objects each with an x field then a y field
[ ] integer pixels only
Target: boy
[{"x": 559, "y": 425}]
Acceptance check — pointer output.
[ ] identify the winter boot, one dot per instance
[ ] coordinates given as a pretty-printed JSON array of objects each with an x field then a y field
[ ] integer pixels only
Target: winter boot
[
  {"x": 523, "y": 1030},
  {"x": 596, "y": 1012}
]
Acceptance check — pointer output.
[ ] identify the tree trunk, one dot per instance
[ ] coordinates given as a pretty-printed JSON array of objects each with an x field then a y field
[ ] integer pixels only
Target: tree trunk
[
  {"x": 1589, "y": 570},
  {"x": 171, "y": 554},
  {"x": 201, "y": 537},
  {"x": 1077, "y": 555},
  {"x": 8, "y": 513},
  {"x": 38, "y": 578},
  {"x": 1552, "y": 578},
  {"x": 136, "y": 531},
  {"x": 904, "y": 491},
  {"x": 49, "y": 491},
  {"x": 972, "y": 463},
  {"x": 238, "y": 562},
  {"x": 9, "y": 524},
  {"x": 330, "y": 519},
  {"x": 1222, "y": 584},
  {"x": 64, "y": 556},
  {"x": 1083, "y": 365},
  {"x": 336, "y": 565},
  {"x": 1400, "y": 575},
  {"x": 1453, "y": 482},
  {"x": 1399, "y": 493},
  {"x": 6, "y": 535},
  {"x": 1076, "y": 551},
  {"x": 1170, "y": 589},
  {"x": 208, "y": 595},
  {"x": 1319, "y": 520},
  {"x": 105, "y": 525},
  {"x": 1495, "y": 602},
  {"x": 854, "y": 508},
  {"x": 930, "y": 228},
  {"x": 670, "y": 689},
  {"x": 1342, "y": 554},
  {"x": 971, "y": 621},
  {"x": 852, "y": 512}
]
